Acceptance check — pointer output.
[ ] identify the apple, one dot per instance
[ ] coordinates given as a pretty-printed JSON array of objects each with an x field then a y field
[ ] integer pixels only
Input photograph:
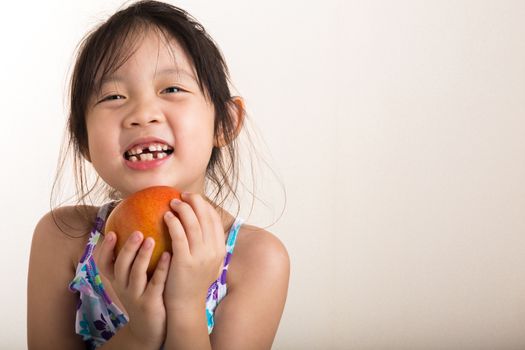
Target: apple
[{"x": 144, "y": 211}]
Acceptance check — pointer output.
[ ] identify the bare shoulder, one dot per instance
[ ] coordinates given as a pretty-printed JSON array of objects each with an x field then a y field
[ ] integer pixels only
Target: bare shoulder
[
  {"x": 249, "y": 316},
  {"x": 71, "y": 220},
  {"x": 259, "y": 251},
  {"x": 58, "y": 240},
  {"x": 67, "y": 227}
]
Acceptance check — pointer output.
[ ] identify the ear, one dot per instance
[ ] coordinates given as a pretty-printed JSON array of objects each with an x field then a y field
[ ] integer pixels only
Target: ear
[{"x": 237, "y": 112}]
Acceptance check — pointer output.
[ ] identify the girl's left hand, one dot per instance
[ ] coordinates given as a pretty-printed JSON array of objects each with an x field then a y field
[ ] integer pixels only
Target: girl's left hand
[{"x": 199, "y": 248}]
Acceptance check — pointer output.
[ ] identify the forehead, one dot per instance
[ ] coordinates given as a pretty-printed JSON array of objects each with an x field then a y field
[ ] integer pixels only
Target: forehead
[{"x": 151, "y": 51}]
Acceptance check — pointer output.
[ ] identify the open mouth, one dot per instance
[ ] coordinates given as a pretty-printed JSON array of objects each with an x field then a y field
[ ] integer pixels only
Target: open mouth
[{"x": 148, "y": 152}]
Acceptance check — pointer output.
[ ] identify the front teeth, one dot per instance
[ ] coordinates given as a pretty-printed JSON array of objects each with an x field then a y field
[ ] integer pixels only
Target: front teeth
[
  {"x": 143, "y": 156},
  {"x": 152, "y": 148},
  {"x": 135, "y": 151},
  {"x": 140, "y": 153},
  {"x": 147, "y": 156}
]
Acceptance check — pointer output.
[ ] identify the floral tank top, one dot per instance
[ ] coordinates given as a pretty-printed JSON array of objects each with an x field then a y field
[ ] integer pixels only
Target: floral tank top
[{"x": 97, "y": 317}]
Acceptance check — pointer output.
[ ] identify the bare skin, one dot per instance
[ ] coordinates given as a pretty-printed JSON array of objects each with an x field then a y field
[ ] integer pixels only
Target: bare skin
[
  {"x": 154, "y": 96},
  {"x": 247, "y": 318}
]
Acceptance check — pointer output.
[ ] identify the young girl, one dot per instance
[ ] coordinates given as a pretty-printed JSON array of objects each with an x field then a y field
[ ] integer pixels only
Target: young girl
[{"x": 150, "y": 105}]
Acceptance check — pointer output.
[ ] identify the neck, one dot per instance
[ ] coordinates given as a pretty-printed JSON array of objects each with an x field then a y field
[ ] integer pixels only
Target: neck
[{"x": 226, "y": 218}]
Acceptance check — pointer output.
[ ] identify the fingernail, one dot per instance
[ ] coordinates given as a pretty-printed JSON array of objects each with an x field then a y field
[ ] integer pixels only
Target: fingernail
[
  {"x": 168, "y": 215},
  {"x": 136, "y": 237},
  {"x": 110, "y": 237},
  {"x": 175, "y": 201}
]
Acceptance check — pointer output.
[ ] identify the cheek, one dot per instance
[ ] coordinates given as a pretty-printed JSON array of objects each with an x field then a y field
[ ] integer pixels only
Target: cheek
[
  {"x": 102, "y": 142},
  {"x": 195, "y": 123}
]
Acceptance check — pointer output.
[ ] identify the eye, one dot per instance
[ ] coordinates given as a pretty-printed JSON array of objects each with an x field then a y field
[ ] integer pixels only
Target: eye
[
  {"x": 173, "y": 89},
  {"x": 112, "y": 97}
]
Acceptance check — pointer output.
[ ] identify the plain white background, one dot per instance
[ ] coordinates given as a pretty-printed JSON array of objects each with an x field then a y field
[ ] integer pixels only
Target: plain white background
[{"x": 397, "y": 130}]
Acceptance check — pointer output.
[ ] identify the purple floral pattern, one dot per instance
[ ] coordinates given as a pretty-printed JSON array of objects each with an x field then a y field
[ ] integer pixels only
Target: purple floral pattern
[{"x": 97, "y": 317}]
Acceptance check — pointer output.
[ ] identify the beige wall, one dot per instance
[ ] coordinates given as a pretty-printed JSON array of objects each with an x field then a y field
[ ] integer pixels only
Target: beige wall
[{"x": 397, "y": 128}]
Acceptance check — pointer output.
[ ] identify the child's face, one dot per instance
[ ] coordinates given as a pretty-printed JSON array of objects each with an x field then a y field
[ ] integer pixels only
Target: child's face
[{"x": 147, "y": 102}]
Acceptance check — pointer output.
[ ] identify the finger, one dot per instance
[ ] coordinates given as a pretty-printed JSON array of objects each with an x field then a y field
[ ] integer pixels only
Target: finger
[
  {"x": 138, "y": 277},
  {"x": 189, "y": 221},
  {"x": 203, "y": 212},
  {"x": 125, "y": 258},
  {"x": 160, "y": 275},
  {"x": 105, "y": 256},
  {"x": 179, "y": 241}
]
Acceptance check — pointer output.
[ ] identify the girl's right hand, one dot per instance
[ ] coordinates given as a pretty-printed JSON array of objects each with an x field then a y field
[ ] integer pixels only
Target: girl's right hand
[{"x": 142, "y": 300}]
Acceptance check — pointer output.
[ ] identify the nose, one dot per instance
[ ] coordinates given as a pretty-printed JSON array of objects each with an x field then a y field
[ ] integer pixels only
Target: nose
[{"x": 143, "y": 114}]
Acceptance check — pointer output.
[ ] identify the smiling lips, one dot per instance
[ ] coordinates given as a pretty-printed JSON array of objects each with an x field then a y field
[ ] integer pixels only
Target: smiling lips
[{"x": 147, "y": 156}]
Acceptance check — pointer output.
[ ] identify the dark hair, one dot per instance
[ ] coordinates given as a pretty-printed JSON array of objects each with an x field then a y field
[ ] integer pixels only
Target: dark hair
[{"x": 109, "y": 46}]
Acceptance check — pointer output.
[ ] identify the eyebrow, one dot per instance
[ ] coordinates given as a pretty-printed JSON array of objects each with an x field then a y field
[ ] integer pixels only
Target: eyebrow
[{"x": 166, "y": 71}]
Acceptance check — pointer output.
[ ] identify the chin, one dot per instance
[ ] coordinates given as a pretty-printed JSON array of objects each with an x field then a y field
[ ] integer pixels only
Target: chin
[{"x": 138, "y": 185}]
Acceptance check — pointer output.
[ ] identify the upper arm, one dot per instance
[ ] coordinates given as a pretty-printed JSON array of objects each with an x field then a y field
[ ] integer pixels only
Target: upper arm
[
  {"x": 50, "y": 305},
  {"x": 248, "y": 317}
]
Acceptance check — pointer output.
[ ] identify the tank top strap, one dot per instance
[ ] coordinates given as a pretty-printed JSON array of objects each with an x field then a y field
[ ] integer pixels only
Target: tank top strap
[
  {"x": 98, "y": 228},
  {"x": 231, "y": 240}
]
